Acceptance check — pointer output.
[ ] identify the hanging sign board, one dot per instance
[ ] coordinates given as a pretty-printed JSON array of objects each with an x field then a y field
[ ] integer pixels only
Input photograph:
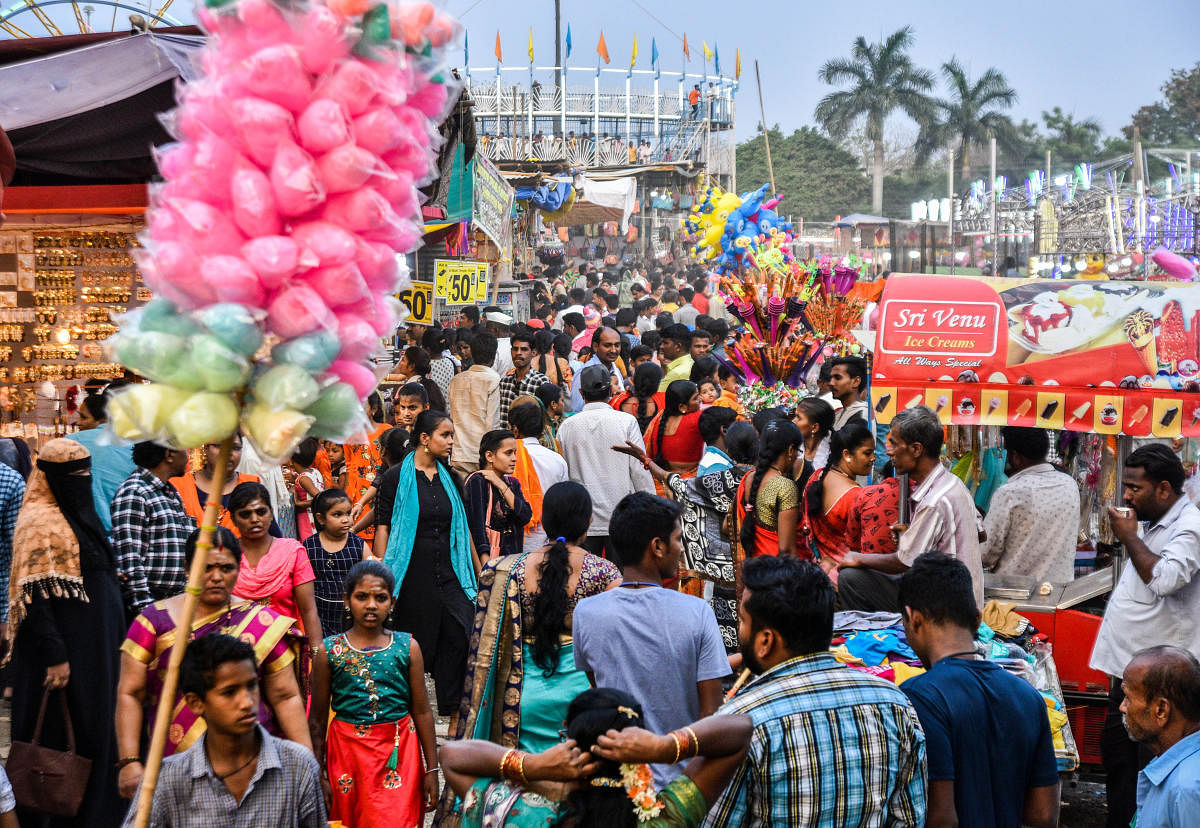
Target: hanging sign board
[
  {"x": 419, "y": 301},
  {"x": 460, "y": 283},
  {"x": 1096, "y": 356}
]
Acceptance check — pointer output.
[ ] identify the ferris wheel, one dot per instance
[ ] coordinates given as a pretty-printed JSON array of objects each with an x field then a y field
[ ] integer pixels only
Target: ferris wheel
[{"x": 39, "y": 18}]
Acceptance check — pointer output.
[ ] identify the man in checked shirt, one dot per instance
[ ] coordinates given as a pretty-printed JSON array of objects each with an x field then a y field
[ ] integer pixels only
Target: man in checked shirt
[{"x": 150, "y": 528}]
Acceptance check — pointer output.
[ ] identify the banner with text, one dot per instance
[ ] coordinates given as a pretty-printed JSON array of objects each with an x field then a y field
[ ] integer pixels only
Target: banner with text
[{"x": 1103, "y": 356}]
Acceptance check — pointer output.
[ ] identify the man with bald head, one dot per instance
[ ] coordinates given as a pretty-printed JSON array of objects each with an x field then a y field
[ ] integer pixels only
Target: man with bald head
[{"x": 1162, "y": 712}]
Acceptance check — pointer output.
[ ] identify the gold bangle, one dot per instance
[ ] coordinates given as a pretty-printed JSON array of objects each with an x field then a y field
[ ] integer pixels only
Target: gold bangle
[
  {"x": 504, "y": 764},
  {"x": 521, "y": 768},
  {"x": 678, "y": 747},
  {"x": 695, "y": 738}
]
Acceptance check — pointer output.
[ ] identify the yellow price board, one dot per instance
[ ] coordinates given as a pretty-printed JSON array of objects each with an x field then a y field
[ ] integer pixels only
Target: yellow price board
[
  {"x": 460, "y": 283},
  {"x": 419, "y": 301}
]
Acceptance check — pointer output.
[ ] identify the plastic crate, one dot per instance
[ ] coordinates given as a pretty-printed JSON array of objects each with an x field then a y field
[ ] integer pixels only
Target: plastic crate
[
  {"x": 1087, "y": 723},
  {"x": 1074, "y": 636}
]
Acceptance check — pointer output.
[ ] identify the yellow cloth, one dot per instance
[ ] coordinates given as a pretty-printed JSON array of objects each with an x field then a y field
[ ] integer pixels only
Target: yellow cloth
[
  {"x": 1057, "y": 720},
  {"x": 1003, "y": 620},
  {"x": 843, "y": 655},
  {"x": 903, "y": 672}
]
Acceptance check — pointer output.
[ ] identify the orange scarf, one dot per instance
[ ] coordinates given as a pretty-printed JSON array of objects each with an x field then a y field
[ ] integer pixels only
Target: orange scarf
[{"x": 531, "y": 486}]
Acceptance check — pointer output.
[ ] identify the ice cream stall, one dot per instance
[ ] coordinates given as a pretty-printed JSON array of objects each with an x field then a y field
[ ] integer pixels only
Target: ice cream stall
[{"x": 1105, "y": 365}]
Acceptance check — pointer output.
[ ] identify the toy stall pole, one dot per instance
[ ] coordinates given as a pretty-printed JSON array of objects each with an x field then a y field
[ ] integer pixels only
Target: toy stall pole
[
  {"x": 191, "y": 596},
  {"x": 766, "y": 132}
]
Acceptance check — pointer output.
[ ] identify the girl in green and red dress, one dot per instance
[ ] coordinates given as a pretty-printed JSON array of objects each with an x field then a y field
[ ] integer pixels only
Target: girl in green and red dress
[{"x": 379, "y": 750}]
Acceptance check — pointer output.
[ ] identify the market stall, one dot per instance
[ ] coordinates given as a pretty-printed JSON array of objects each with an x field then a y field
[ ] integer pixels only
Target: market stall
[{"x": 1100, "y": 363}]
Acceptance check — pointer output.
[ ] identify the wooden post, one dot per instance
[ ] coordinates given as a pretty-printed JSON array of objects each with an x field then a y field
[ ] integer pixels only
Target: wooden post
[
  {"x": 766, "y": 131},
  {"x": 162, "y": 720}
]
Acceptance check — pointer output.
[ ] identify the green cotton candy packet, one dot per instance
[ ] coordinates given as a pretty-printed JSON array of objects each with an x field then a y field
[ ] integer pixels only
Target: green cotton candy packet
[{"x": 376, "y": 33}]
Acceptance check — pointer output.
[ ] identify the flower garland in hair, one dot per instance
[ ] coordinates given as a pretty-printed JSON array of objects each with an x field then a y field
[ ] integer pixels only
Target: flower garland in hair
[{"x": 639, "y": 787}]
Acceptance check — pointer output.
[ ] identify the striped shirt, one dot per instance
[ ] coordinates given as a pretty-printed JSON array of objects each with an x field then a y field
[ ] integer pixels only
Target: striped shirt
[
  {"x": 511, "y": 387},
  {"x": 285, "y": 791},
  {"x": 831, "y": 747},
  {"x": 944, "y": 520}
]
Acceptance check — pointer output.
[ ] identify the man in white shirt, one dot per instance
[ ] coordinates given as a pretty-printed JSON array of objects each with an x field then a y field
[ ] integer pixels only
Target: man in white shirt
[
  {"x": 1032, "y": 524},
  {"x": 474, "y": 402},
  {"x": 646, "y": 312},
  {"x": 1156, "y": 600},
  {"x": 943, "y": 519},
  {"x": 543, "y": 469},
  {"x": 848, "y": 383},
  {"x": 498, "y": 325},
  {"x": 587, "y": 439}
]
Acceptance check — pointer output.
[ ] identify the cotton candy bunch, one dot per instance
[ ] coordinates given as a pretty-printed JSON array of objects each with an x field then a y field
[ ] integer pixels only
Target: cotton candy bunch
[{"x": 291, "y": 189}]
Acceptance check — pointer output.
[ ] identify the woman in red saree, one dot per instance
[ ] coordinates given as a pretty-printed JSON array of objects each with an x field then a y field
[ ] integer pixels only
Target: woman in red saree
[
  {"x": 768, "y": 502},
  {"x": 645, "y": 401},
  {"x": 830, "y": 498},
  {"x": 673, "y": 437},
  {"x": 277, "y": 641}
]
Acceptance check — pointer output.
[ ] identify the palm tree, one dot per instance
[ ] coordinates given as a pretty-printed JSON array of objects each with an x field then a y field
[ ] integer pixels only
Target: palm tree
[
  {"x": 881, "y": 80},
  {"x": 971, "y": 115}
]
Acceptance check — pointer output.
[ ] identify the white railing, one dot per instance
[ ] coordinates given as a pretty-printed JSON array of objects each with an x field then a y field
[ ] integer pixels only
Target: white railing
[{"x": 688, "y": 144}]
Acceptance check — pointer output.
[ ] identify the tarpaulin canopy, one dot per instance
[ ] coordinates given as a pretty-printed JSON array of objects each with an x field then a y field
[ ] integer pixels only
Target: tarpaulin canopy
[
  {"x": 91, "y": 113},
  {"x": 612, "y": 200}
]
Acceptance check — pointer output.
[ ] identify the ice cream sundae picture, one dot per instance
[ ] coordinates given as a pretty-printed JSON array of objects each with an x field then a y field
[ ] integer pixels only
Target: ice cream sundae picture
[
  {"x": 966, "y": 406},
  {"x": 1109, "y": 415},
  {"x": 1057, "y": 321}
]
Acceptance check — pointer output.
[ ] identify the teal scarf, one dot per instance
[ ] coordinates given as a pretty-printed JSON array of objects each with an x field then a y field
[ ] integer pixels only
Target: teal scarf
[{"x": 406, "y": 513}]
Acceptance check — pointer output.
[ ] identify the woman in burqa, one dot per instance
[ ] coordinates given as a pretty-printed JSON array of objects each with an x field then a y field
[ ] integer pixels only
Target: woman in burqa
[{"x": 66, "y": 624}]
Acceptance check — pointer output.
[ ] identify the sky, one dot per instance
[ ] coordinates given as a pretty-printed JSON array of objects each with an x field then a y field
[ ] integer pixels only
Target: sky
[
  {"x": 1100, "y": 59},
  {"x": 1074, "y": 54}
]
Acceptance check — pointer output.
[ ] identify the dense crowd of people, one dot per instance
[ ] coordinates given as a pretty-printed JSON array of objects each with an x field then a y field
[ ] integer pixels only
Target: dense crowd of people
[{"x": 576, "y": 529}]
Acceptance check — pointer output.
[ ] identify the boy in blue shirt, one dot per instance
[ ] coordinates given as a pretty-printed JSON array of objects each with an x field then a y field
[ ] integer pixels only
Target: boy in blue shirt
[{"x": 987, "y": 737}]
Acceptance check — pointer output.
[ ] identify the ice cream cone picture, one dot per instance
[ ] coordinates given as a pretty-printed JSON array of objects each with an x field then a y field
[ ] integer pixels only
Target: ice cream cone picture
[
  {"x": 1166, "y": 419},
  {"x": 1050, "y": 410},
  {"x": 993, "y": 406},
  {"x": 883, "y": 403},
  {"x": 938, "y": 399},
  {"x": 1139, "y": 329},
  {"x": 1106, "y": 415}
]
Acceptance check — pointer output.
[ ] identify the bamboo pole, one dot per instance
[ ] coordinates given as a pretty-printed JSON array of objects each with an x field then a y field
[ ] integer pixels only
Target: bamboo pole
[
  {"x": 158, "y": 741},
  {"x": 766, "y": 132}
]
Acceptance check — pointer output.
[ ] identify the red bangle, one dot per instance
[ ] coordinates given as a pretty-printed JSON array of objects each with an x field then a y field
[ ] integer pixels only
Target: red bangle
[{"x": 646, "y": 463}]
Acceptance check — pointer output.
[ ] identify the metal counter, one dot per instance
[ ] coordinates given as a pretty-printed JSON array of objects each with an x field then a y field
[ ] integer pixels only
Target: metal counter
[{"x": 1028, "y": 596}]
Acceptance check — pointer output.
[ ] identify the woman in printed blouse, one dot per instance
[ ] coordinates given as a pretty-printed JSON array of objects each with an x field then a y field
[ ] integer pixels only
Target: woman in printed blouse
[
  {"x": 602, "y": 763},
  {"x": 522, "y": 655}
]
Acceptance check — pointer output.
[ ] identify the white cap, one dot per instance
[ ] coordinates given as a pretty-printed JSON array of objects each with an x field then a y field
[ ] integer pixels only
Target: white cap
[{"x": 498, "y": 317}]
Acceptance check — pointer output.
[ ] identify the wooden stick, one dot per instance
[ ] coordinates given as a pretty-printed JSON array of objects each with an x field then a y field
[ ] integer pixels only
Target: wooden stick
[
  {"x": 166, "y": 702},
  {"x": 766, "y": 131},
  {"x": 739, "y": 684}
]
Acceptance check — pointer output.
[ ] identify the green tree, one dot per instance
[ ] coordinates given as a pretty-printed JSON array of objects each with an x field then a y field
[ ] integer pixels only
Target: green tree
[
  {"x": 819, "y": 179},
  {"x": 880, "y": 79},
  {"x": 971, "y": 115},
  {"x": 1070, "y": 140},
  {"x": 1176, "y": 119}
]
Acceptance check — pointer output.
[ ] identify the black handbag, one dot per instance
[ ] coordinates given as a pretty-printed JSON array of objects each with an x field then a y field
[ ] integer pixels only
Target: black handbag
[{"x": 47, "y": 780}]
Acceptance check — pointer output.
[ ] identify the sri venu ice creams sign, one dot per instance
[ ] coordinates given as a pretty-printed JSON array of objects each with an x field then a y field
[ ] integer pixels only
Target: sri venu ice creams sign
[{"x": 1100, "y": 356}]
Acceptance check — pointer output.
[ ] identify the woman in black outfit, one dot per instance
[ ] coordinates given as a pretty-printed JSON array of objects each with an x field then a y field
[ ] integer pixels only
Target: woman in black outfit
[
  {"x": 422, "y": 533},
  {"x": 68, "y": 621}
]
